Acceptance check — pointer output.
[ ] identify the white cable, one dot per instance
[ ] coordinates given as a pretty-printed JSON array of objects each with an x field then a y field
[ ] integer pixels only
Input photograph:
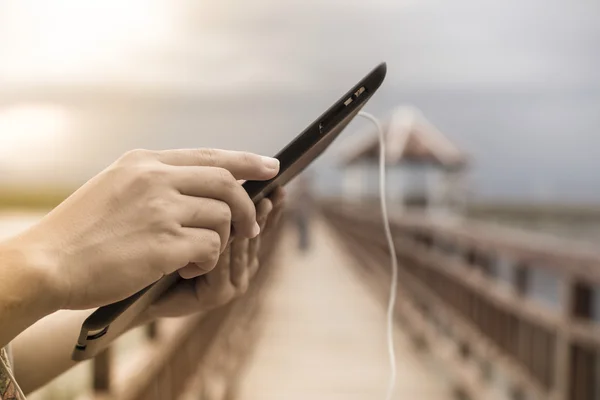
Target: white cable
[{"x": 394, "y": 260}]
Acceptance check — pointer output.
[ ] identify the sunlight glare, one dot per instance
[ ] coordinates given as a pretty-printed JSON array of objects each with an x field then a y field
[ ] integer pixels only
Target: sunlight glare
[
  {"x": 70, "y": 39},
  {"x": 32, "y": 135}
]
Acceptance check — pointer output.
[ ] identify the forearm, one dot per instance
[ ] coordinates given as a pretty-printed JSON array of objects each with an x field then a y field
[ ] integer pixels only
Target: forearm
[
  {"x": 43, "y": 351},
  {"x": 26, "y": 294}
]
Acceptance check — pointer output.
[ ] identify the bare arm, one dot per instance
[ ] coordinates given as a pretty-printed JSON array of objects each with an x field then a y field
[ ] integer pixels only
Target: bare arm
[
  {"x": 23, "y": 276},
  {"x": 43, "y": 351}
]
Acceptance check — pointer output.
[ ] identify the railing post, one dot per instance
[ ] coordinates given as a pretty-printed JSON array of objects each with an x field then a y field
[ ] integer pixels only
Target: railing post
[
  {"x": 553, "y": 351},
  {"x": 583, "y": 368},
  {"x": 522, "y": 279},
  {"x": 152, "y": 331},
  {"x": 562, "y": 367},
  {"x": 101, "y": 371}
]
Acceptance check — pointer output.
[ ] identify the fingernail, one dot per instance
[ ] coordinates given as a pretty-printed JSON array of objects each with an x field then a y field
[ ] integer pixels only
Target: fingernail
[
  {"x": 271, "y": 163},
  {"x": 256, "y": 230}
]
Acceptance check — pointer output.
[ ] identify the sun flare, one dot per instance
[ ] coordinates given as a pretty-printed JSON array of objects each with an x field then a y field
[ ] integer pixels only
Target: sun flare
[
  {"x": 71, "y": 39},
  {"x": 32, "y": 134}
]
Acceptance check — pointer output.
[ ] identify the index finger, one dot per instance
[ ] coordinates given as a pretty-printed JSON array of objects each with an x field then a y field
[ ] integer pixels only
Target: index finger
[{"x": 242, "y": 165}]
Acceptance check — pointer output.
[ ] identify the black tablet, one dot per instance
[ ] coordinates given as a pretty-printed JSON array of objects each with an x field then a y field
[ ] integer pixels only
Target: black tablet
[
  {"x": 110, "y": 321},
  {"x": 309, "y": 144}
]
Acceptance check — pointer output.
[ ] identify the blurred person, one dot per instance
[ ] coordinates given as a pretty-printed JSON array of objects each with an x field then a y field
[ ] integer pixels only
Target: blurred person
[
  {"x": 147, "y": 215},
  {"x": 301, "y": 209}
]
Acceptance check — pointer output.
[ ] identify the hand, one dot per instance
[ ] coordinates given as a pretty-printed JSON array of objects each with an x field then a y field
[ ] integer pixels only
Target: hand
[
  {"x": 228, "y": 280},
  {"x": 147, "y": 215}
]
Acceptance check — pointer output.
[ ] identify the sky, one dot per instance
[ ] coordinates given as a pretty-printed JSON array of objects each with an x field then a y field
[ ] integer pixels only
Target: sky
[{"x": 514, "y": 83}]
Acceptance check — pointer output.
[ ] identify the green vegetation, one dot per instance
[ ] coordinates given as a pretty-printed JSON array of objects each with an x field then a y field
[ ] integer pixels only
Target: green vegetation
[{"x": 16, "y": 197}]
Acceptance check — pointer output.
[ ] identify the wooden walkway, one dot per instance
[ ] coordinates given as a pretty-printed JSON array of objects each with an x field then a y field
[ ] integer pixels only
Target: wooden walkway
[{"x": 323, "y": 335}]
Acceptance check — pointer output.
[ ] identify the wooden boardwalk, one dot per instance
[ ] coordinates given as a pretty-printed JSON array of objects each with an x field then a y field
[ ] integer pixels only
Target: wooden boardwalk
[
  {"x": 321, "y": 332},
  {"x": 323, "y": 335}
]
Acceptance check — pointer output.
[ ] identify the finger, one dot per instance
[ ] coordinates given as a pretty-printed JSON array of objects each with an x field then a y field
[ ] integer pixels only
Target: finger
[
  {"x": 277, "y": 199},
  {"x": 203, "y": 248},
  {"x": 274, "y": 217},
  {"x": 239, "y": 261},
  {"x": 220, "y": 276},
  {"x": 242, "y": 165},
  {"x": 253, "y": 249},
  {"x": 244, "y": 282},
  {"x": 206, "y": 213},
  {"x": 263, "y": 209},
  {"x": 218, "y": 184},
  {"x": 193, "y": 270},
  {"x": 277, "y": 196},
  {"x": 254, "y": 267},
  {"x": 262, "y": 213}
]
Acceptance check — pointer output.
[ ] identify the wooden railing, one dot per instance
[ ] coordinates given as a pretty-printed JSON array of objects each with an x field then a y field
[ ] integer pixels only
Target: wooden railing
[
  {"x": 196, "y": 357},
  {"x": 505, "y": 310}
]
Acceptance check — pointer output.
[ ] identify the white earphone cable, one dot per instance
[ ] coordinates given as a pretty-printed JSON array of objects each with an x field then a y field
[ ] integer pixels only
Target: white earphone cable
[{"x": 394, "y": 260}]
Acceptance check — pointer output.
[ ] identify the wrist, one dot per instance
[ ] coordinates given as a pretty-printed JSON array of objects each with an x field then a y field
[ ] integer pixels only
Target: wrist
[{"x": 32, "y": 270}]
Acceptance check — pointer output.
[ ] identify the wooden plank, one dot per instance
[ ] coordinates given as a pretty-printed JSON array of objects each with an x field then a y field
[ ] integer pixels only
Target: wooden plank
[{"x": 325, "y": 336}]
